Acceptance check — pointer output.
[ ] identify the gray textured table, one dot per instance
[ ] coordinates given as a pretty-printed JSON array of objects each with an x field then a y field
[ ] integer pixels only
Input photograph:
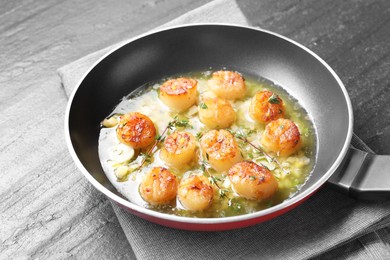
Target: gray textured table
[{"x": 48, "y": 209}]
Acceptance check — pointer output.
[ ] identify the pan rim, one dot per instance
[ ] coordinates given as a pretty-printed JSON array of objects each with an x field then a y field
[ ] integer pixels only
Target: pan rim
[{"x": 207, "y": 221}]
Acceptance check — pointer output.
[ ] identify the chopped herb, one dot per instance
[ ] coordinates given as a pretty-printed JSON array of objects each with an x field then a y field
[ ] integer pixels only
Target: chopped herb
[
  {"x": 180, "y": 123},
  {"x": 203, "y": 106},
  {"x": 199, "y": 135},
  {"x": 223, "y": 193},
  {"x": 230, "y": 131},
  {"x": 203, "y": 167},
  {"x": 205, "y": 163},
  {"x": 242, "y": 136},
  {"x": 274, "y": 99},
  {"x": 160, "y": 138},
  {"x": 147, "y": 157},
  {"x": 251, "y": 131},
  {"x": 214, "y": 179},
  {"x": 252, "y": 178}
]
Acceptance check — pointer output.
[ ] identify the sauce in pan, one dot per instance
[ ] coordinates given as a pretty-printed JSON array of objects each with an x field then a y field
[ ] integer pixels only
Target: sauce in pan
[{"x": 208, "y": 144}]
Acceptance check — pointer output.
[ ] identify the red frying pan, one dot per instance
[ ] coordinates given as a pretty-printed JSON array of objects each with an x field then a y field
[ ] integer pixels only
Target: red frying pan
[{"x": 253, "y": 52}]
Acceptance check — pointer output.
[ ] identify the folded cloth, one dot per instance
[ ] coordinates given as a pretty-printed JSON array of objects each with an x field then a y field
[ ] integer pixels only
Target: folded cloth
[{"x": 329, "y": 225}]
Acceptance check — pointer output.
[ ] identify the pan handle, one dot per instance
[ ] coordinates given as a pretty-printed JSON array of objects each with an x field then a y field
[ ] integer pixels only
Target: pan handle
[{"x": 363, "y": 175}]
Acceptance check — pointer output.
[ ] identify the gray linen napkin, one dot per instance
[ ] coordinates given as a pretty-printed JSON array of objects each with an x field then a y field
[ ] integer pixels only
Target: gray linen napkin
[{"x": 328, "y": 226}]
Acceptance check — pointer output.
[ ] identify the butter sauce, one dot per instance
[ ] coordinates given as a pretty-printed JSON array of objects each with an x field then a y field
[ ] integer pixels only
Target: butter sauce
[{"x": 145, "y": 100}]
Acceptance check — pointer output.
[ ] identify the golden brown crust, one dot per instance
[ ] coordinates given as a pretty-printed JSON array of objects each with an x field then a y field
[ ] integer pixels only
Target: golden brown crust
[
  {"x": 179, "y": 94},
  {"x": 179, "y": 86},
  {"x": 219, "y": 144},
  {"x": 251, "y": 171},
  {"x": 228, "y": 77},
  {"x": 266, "y": 107},
  {"x": 196, "y": 193},
  {"x": 136, "y": 130},
  {"x": 252, "y": 181},
  {"x": 176, "y": 142},
  {"x": 282, "y": 137},
  {"x": 199, "y": 184},
  {"x": 227, "y": 84},
  {"x": 218, "y": 112},
  {"x": 220, "y": 149},
  {"x": 179, "y": 149},
  {"x": 159, "y": 186}
]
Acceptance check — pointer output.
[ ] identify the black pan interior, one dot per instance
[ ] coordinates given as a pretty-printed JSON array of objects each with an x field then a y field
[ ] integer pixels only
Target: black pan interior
[{"x": 197, "y": 48}]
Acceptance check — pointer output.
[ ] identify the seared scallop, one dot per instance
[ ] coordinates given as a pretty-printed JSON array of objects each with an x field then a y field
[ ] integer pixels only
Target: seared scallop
[
  {"x": 178, "y": 149},
  {"x": 220, "y": 149},
  {"x": 136, "y": 130},
  {"x": 179, "y": 94},
  {"x": 252, "y": 181},
  {"x": 266, "y": 106},
  {"x": 281, "y": 137},
  {"x": 159, "y": 186},
  {"x": 227, "y": 84},
  {"x": 195, "y": 193},
  {"x": 216, "y": 112}
]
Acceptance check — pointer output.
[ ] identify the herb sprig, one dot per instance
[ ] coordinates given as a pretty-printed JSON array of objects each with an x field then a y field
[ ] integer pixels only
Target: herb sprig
[
  {"x": 241, "y": 135},
  {"x": 175, "y": 123},
  {"x": 214, "y": 180}
]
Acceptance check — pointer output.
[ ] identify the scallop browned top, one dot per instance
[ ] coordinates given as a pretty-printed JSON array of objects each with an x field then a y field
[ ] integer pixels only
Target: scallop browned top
[
  {"x": 136, "y": 129},
  {"x": 219, "y": 144},
  {"x": 175, "y": 142},
  {"x": 266, "y": 106},
  {"x": 251, "y": 171},
  {"x": 178, "y": 86}
]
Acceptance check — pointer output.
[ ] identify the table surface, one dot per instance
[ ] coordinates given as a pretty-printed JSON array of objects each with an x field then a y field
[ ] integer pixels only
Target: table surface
[{"x": 48, "y": 208}]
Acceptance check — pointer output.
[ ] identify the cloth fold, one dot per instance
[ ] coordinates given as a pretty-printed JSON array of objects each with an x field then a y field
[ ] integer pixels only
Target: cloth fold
[{"x": 328, "y": 225}]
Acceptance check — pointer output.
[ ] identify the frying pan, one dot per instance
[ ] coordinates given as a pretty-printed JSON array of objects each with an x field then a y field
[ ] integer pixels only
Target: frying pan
[{"x": 252, "y": 52}]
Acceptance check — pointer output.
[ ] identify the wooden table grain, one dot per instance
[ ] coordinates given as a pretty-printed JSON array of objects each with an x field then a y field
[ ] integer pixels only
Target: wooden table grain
[{"x": 48, "y": 210}]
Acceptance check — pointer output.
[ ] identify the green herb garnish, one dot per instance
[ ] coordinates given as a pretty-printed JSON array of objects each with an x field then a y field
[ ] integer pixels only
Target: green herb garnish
[
  {"x": 274, "y": 99},
  {"x": 241, "y": 135},
  {"x": 179, "y": 123},
  {"x": 222, "y": 193},
  {"x": 203, "y": 106},
  {"x": 214, "y": 180},
  {"x": 175, "y": 123}
]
